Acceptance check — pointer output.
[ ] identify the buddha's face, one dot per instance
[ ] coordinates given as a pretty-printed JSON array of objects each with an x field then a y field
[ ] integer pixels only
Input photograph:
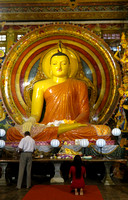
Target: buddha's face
[{"x": 60, "y": 66}]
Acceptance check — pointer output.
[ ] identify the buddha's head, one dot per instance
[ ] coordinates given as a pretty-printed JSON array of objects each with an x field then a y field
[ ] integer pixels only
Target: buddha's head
[
  {"x": 64, "y": 57},
  {"x": 60, "y": 65}
]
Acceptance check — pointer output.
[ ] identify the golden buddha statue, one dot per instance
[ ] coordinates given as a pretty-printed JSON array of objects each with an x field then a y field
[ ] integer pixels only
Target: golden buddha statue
[{"x": 67, "y": 105}]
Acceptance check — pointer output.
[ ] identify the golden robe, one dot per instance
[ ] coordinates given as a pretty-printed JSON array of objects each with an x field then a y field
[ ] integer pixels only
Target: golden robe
[{"x": 67, "y": 100}]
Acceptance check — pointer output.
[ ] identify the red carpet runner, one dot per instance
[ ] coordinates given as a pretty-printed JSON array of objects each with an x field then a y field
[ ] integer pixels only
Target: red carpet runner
[{"x": 61, "y": 192}]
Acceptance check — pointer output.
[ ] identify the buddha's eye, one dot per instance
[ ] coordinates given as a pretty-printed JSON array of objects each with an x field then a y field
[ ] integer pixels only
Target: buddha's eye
[
  {"x": 54, "y": 63},
  {"x": 63, "y": 63}
]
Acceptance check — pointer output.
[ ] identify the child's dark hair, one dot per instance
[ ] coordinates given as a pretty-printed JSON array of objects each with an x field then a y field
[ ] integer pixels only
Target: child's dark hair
[{"x": 77, "y": 163}]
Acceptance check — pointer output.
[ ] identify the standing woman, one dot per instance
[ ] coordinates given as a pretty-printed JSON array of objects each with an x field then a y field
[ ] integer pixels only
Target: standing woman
[{"x": 78, "y": 173}]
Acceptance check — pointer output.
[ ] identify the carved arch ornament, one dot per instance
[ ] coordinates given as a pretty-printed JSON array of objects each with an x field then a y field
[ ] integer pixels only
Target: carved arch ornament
[{"x": 96, "y": 66}]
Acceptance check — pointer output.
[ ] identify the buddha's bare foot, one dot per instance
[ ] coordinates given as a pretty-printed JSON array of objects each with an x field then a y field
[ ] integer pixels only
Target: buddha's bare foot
[
  {"x": 81, "y": 191},
  {"x": 76, "y": 192}
]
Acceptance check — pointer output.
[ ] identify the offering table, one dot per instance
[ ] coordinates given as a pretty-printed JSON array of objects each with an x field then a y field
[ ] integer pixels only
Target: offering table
[{"x": 57, "y": 163}]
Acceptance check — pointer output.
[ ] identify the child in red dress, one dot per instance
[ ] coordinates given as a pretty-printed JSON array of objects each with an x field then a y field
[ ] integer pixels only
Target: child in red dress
[{"x": 78, "y": 173}]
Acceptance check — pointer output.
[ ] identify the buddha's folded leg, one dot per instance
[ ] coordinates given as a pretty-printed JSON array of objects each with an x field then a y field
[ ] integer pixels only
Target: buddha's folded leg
[
  {"x": 89, "y": 132},
  {"x": 103, "y": 130},
  {"x": 48, "y": 133},
  {"x": 13, "y": 134}
]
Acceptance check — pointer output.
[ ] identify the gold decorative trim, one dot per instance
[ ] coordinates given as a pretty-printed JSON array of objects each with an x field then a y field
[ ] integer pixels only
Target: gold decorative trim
[
  {"x": 63, "y": 16},
  {"x": 57, "y": 1}
]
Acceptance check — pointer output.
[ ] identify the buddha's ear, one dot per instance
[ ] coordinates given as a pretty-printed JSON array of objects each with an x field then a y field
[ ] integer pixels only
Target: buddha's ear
[{"x": 69, "y": 70}]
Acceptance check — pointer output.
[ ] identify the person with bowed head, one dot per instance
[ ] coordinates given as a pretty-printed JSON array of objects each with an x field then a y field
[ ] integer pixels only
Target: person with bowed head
[{"x": 77, "y": 172}]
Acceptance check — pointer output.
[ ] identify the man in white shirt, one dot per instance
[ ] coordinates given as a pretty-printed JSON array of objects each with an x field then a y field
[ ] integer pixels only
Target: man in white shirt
[{"x": 26, "y": 148}]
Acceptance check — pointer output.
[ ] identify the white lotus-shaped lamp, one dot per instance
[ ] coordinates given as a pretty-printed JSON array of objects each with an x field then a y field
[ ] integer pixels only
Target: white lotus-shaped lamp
[
  {"x": 100, "y": 143},
  {"x": 84, "y": 143},
  {"x": 2, "y": 144},
  {"x": 2, "y": 132},
  {"x": 116, "y": 132},
  {"x": 55, "y": 143}
]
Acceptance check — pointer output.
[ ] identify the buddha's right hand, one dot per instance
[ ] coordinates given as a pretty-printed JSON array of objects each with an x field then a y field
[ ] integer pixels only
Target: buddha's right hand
[
  {"x": 67, "y": 127},
  {"x": 28, "y": 124}
]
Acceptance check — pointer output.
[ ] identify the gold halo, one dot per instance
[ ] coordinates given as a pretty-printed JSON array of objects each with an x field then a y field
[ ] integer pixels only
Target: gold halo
[{"x": 73, "y": 57}]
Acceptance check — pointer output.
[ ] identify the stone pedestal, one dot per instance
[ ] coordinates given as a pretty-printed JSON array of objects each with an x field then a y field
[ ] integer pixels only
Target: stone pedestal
[
  {"x": 107, "y": 179},
  {"x": 3, "y": 179},
  {"x": 57, "y": 177}
]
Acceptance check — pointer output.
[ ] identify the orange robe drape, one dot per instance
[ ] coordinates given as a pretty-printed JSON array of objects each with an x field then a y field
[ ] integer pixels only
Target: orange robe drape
[{"x": 67, "y": 100}]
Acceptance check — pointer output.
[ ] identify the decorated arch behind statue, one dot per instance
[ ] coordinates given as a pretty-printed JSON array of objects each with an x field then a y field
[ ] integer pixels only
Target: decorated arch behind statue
[{"x": 22, "y": 67}]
